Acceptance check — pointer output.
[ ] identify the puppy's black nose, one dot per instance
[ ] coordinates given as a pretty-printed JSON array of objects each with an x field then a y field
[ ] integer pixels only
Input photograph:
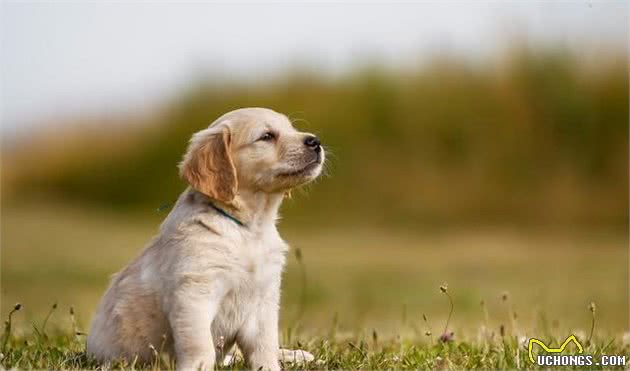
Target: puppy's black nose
[{"x": 313, "y": 142}]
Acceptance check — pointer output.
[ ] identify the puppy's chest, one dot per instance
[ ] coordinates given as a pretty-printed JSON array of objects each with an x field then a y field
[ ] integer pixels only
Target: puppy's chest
[
  {"x": 262, "y": 259},
  {"x": 261, "y": 263}
]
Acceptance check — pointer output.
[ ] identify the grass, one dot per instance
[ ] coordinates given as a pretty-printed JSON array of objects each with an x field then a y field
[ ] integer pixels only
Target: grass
[
  {"x": 365, "y": 299},
  {"x": 66, "y": 350}
]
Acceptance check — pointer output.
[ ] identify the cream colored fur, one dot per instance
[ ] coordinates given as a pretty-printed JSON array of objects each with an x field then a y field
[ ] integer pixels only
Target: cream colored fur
[{"x": 204, "y": 282}]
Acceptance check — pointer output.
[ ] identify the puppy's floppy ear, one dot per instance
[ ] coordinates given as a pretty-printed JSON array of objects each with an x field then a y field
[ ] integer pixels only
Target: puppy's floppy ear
[{"x": 208, "y": 166}]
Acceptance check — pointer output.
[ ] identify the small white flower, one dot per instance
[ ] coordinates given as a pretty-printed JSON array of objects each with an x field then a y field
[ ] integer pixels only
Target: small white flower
[{"x": 221, "y": 342}]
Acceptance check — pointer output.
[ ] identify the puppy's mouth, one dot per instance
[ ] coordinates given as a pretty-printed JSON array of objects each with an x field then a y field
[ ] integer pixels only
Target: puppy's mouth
[{"x": 304, "y": 171}]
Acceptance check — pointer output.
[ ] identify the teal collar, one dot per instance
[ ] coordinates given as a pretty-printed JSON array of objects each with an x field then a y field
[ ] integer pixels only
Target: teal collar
[{"x": 225, "y": 214}]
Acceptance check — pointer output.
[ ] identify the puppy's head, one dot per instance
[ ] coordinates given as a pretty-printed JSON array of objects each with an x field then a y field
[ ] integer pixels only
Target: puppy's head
[{"x": 251, "y": 148}]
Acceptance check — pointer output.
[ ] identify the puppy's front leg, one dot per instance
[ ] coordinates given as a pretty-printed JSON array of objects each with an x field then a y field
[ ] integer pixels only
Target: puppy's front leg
[
  {"x": 258, "y": 339},
  {"x": 191, "y": 314}
]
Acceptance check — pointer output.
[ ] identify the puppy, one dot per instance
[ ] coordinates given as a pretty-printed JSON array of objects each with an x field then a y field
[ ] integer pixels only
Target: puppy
[{"x": 211, "y": 277}]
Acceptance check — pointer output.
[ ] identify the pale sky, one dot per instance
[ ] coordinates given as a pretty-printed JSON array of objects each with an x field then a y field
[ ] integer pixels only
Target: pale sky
[{"x": 64, "y": 59}]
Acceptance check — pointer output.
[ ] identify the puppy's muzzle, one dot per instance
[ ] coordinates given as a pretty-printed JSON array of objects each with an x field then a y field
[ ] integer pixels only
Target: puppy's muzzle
[{"x": 313, "y": 143}]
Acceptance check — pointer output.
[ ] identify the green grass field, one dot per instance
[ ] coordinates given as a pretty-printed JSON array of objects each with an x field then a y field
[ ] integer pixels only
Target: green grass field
[
  {"x": 356, "y": 300},
  {"x": 331, "y": 353}
]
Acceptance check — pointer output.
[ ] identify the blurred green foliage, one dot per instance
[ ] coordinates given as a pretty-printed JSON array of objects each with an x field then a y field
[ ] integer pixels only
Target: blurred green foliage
[{"x": 535, "y": 137}]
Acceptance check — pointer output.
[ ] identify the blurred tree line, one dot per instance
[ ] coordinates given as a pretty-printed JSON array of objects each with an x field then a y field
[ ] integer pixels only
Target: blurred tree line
[{"x": 534, "y": 137}]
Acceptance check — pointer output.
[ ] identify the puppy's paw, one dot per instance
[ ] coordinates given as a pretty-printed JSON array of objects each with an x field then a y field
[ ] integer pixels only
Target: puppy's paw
[{"x": 295, "y": 356}]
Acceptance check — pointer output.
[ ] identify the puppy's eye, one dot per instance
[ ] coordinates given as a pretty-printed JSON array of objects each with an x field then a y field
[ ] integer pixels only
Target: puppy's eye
[{"x": 268, "y": 136}]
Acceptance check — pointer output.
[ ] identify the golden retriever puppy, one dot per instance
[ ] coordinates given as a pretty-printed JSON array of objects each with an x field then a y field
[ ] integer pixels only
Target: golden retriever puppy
[{"x": 211, "y": 277}]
